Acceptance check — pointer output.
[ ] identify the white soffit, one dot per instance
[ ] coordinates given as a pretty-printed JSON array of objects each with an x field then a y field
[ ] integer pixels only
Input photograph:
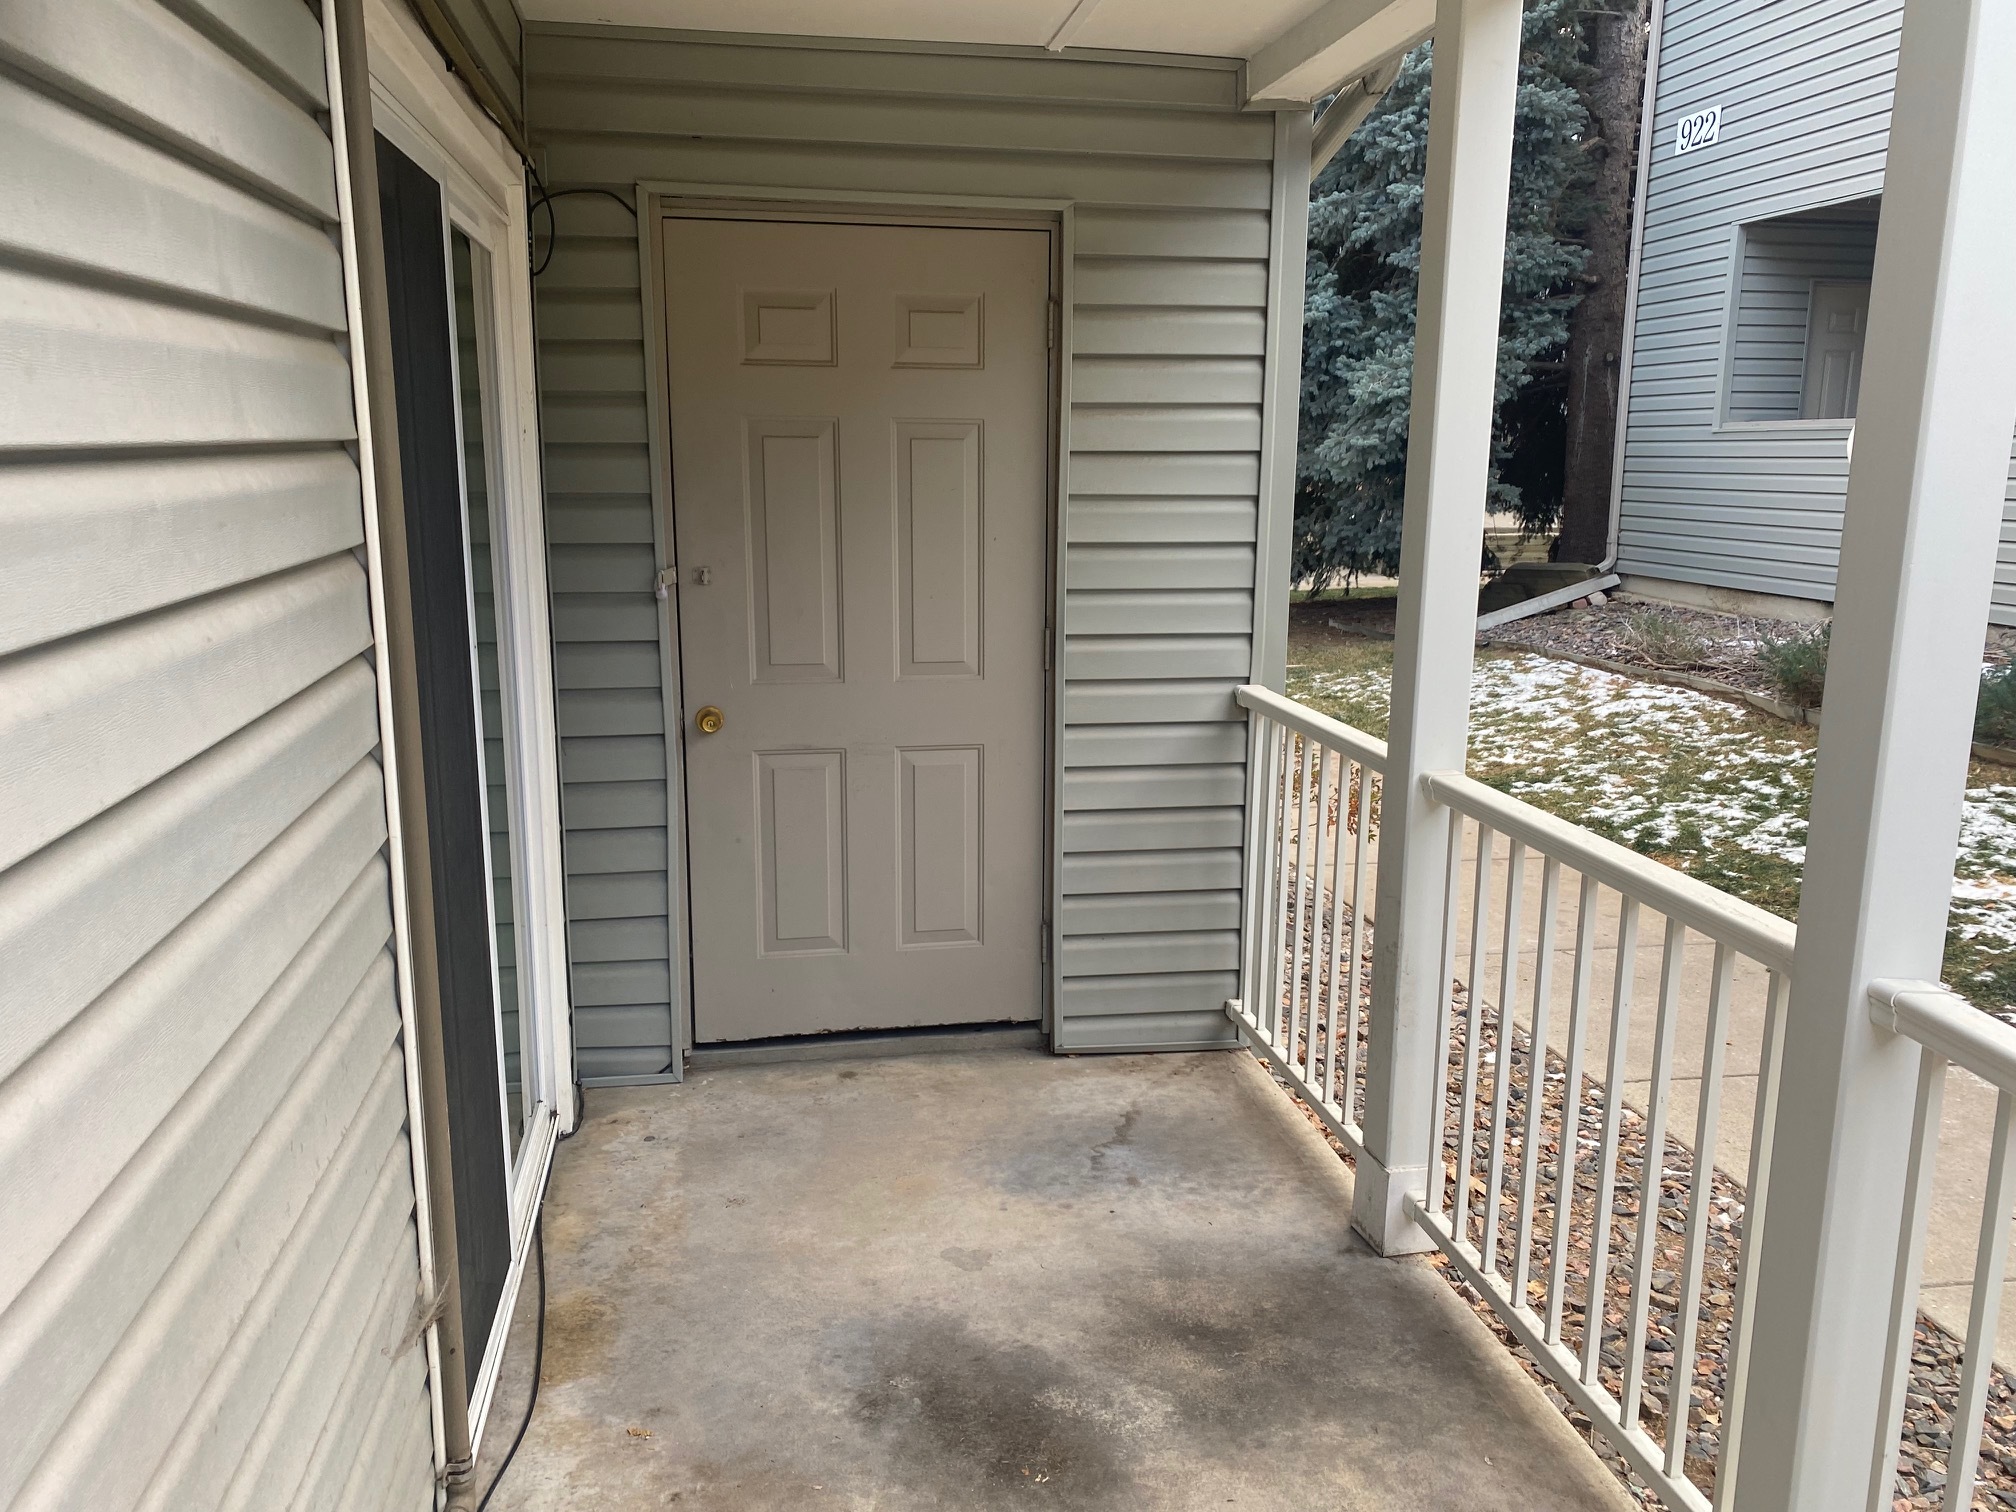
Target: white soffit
[{"x": 1296, "y": 49}]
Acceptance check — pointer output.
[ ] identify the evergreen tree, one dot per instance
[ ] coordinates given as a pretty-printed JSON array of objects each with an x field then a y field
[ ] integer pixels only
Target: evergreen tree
[{"x": 1364, "y": 258}]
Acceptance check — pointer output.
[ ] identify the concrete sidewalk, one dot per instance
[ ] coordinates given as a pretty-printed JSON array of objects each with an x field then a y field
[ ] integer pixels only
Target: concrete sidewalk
[{"x": 979, "y": 1280}]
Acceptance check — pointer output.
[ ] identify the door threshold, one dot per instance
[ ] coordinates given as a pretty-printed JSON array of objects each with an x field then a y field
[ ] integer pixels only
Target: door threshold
[{"x": 863, "y": 1043}]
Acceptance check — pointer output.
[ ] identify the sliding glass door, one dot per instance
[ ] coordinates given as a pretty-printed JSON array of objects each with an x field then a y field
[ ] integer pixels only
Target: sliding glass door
[{"x": 478, "y": 624}]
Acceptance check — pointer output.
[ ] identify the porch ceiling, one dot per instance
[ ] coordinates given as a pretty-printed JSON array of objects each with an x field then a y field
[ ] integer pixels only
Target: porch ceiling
[
  {"x": 1293, "y": 50},
  {"x": 985, "y": 1280}
]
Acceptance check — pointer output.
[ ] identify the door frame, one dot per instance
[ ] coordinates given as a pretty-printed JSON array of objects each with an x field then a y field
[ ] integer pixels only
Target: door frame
[
  {"x": 660, "y": 199},
  {"x": 424, "y": 112}
]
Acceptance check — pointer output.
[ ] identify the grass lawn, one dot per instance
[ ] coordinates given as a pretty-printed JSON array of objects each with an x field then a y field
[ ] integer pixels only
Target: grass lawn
[{"x": 1713, "y": 788}]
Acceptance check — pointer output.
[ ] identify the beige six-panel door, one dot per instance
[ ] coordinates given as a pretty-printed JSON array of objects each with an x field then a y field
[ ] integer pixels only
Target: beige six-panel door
[{"x": 858, "y": 420}]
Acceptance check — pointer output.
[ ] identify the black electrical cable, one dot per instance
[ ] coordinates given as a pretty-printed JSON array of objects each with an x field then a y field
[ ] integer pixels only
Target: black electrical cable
[
  {"x": 513, "y": 135},
  {"x": 538, "y": 1363},
  {"x": 545, "y": 201}
]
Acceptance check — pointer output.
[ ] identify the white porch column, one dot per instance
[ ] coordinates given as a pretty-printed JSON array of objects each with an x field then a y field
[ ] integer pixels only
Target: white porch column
[
  {"x": 1924, "y": 509},
  {"x": 1448, "y": 465}
]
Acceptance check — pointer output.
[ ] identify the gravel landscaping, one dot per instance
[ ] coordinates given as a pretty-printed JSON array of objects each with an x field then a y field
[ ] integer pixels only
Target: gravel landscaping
[{"x": 1657, "y": 638}]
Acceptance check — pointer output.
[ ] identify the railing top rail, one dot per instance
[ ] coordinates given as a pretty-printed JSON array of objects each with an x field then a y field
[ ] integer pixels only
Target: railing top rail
[
  {"x": 1763, "y": 936},
  {"x": 1334, "y": 733},
  {"x": 1947, "y": 1024}
]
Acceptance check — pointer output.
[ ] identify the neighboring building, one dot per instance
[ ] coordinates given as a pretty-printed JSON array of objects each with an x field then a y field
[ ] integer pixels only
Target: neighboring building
[{"x": 1751, "y": 299}]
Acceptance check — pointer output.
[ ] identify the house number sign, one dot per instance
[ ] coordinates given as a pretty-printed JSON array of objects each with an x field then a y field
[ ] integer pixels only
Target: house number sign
[{"x": 1700, "y": 129}]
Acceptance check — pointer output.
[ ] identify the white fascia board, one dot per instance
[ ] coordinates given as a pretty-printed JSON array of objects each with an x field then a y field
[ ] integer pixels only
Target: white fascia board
[{"x": 1339, "y": 40}]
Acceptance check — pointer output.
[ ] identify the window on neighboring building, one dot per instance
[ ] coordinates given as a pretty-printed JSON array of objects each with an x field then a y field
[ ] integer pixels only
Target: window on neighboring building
[{"x": 1801, "y": 307}]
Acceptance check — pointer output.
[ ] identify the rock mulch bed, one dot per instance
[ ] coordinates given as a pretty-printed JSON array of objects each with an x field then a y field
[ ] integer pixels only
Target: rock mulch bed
[
  {"x": 1615, "y": 632},
  {"x": 1936, "y": 1354}
]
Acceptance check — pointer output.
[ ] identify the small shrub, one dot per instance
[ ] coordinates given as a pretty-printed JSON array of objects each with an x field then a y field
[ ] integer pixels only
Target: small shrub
[
  {"x": 1995, "y": 708},
  {"x": 1797, "y": 665},
  {"x": 1664, "y": 641}
]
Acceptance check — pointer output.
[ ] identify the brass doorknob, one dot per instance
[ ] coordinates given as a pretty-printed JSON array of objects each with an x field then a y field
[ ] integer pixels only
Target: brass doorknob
[{"x": 708, "y": 721}]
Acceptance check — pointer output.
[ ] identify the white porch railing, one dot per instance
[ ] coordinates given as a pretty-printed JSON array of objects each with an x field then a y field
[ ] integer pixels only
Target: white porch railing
[
  {"x": 1578, "y": 1191},
  {"x": 1950, "y": 1034},
  {"x": 1308, "y": 931},
  {"x": 1608, "y": 1303}
]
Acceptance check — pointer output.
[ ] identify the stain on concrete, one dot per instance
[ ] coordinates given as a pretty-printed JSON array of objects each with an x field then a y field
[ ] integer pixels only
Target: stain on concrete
[
  {"x": 1123, "y": 1135},
  {"x": 971, "y": 1260},
  {"x": 581, "y": 1330},
  {"x": 962, "y": 1412}
]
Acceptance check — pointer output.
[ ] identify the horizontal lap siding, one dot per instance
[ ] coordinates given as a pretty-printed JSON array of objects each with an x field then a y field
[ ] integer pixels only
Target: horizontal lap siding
[
  {"x": 1171, "y": 185},
  {"x": 1804, "y": 91},
  {"x": 494, "y": 34},
  {"x": 1805, "y": 88},
  {"x": 210, "y": 1257}
]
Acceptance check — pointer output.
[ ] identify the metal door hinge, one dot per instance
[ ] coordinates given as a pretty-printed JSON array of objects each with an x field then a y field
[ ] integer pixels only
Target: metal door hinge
[
  {"x": 1049, "y": 646},
  {"x": 1046, "y": 942},
  {"x": 667, "y": 576}
]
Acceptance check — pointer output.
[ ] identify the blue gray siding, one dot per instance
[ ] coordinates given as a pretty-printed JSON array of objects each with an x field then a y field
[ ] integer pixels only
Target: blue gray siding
[
  {"x": 1171, "y": 183},
  {"x": 1747, "y": 496},
  {"x": 210, "y": 1256},
  {"x": 1805, "y": 97}
]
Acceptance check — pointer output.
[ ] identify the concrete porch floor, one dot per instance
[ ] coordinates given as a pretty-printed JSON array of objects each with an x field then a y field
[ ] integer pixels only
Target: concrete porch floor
[{"x": 993, "y": 1279}]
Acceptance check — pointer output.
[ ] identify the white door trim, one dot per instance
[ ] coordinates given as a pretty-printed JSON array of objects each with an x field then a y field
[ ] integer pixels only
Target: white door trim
[{"x": 657, "y": 198}]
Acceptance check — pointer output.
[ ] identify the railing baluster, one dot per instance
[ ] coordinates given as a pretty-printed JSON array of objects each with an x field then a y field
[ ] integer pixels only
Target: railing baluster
[
  {"x": 1353, "y": 1011},
  {"x": 1501, "y": 1076},
  {"x": 1298, "y": 944},
  {"x": 1466, "y": 1130},
  {"x": 1700, "y": 1205},
  {"x": 1266, "y": 961},
  {"x": 1445, "y": 1002},
  {"x": 1763, "y": 1124},
  {"x": 1250, "y": 859},
  {"x": 1314, "y": 932},
  {"x": 1536, "y": 1074},
  {"x": 1977, "y": 1367},
  {"x": 1651, "y": 1182},
  {"x": 1586, "y": 921},
  {"x": 1606, "y": 1150},
  {"x": 1269, "y": 1017},
  {"x": 1922, "y": 1159},
  {"x": 1339, "y": 1096}
]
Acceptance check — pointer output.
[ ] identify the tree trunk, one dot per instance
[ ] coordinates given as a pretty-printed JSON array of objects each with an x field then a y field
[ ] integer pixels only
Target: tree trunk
[{"x": 1616, "y": 50}]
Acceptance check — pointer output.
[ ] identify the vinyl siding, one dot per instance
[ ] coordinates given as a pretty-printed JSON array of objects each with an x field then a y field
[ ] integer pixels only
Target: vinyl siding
[
  {"x": 210, "y": 1256},
  {"x": 495, "y": 36},
  {"x": 1171, "y": 186},
  {"x": 1805, "y": 89}
]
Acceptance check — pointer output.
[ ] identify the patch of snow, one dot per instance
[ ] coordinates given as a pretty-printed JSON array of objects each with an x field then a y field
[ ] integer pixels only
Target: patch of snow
[{"x": 1599, "y": 747}]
